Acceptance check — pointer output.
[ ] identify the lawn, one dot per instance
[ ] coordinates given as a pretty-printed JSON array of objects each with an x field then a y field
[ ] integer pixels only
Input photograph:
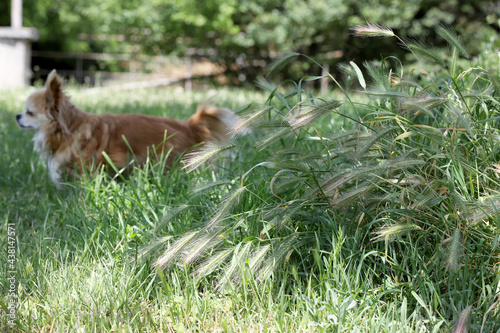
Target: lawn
[{"x": 357, "y": 212}]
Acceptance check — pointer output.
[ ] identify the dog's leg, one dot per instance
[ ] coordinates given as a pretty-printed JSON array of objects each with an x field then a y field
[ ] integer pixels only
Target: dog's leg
[{"x": 55, "y": 172}]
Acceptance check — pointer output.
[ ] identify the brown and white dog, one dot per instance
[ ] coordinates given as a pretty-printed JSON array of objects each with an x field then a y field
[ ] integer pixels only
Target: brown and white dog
[{"x": 74, "y": 141}]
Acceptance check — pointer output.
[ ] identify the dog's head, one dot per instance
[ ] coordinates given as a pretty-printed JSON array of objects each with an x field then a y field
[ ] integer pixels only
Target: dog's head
[{"x": 44, "y": 105}]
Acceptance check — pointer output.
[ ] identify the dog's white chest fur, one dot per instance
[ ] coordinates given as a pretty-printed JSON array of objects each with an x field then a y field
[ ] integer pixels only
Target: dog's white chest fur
[{"x": 40, "y": 144}]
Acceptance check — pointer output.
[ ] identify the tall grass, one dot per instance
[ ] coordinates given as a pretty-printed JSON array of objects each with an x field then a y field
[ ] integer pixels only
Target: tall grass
[{"x": 414, "y": 168}]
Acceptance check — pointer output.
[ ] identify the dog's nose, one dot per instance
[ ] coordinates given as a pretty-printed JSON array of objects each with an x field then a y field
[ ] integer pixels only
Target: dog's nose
[{"x": 18, "y": 116}]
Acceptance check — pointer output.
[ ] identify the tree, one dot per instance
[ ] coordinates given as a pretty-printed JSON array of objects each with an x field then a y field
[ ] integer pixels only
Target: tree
[{"x": 246, "y": 35}]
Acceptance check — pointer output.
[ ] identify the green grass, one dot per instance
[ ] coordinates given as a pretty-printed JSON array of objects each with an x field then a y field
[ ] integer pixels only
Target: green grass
[
  {"x": 77, "y": 248},
  {"x": 372, "y": 212}
]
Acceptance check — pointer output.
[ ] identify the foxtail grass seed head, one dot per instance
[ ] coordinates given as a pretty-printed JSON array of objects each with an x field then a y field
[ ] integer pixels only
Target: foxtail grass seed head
[
  {"x": 312, "y": 113},
  {"x": 205, "y": 155},
  {"x": 372, "y": 30},
  {"x": 452, "y": 257},
  {"x": 391, "y": 232},
  {"x": 462, "y": 324}
]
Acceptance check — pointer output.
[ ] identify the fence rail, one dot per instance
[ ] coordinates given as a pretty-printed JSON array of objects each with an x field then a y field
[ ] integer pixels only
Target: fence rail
[
  {"x": 136, "y": 66},
  {"x": 140, "y": 70}
]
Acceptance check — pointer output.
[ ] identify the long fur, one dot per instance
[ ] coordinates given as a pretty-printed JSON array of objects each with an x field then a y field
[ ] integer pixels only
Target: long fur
[{"x": 73, "y": 140}]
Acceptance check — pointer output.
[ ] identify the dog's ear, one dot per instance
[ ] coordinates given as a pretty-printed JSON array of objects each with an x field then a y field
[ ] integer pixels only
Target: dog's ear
[
  {"x": 54, "y": 98},
  {"x": 53, "y": 92}
]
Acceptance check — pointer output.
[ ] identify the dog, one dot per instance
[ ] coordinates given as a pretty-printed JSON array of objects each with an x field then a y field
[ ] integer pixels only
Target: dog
[{"x": 73, "y": 140}]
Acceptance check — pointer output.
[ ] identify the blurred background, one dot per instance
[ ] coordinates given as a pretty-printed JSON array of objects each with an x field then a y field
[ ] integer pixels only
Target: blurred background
[{"x": 99, "y": 42}]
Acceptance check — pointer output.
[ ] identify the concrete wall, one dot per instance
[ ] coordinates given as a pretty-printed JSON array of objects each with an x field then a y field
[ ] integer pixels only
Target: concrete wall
[{"x": 15, "y": 56}]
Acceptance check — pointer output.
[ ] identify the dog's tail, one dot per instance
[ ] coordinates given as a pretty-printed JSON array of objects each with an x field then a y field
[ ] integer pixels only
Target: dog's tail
[{"x": 212, "y": 123}]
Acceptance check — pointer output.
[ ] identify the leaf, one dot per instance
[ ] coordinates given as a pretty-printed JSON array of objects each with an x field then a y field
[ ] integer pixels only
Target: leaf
[
  {"x": 359, "y": 74},
  {"x": 389, "y": 94},
  {"x": 404, "y": 135},
  {"x": 419, "y": 299},
  {"x": 315, "y": 78}
]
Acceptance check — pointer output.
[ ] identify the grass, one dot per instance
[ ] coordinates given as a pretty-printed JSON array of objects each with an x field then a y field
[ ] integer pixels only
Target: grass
[
  {"x": 76, "y": 249},
  {"x": 372, "y": 212}
]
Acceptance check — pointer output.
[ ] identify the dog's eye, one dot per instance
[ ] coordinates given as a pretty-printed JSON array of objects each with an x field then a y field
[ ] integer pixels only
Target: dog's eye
[{"x": 29, "y": 113}]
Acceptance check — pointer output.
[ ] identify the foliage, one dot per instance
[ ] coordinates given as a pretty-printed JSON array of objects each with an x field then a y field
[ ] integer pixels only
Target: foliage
[{"x": 244, "y": 36}]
